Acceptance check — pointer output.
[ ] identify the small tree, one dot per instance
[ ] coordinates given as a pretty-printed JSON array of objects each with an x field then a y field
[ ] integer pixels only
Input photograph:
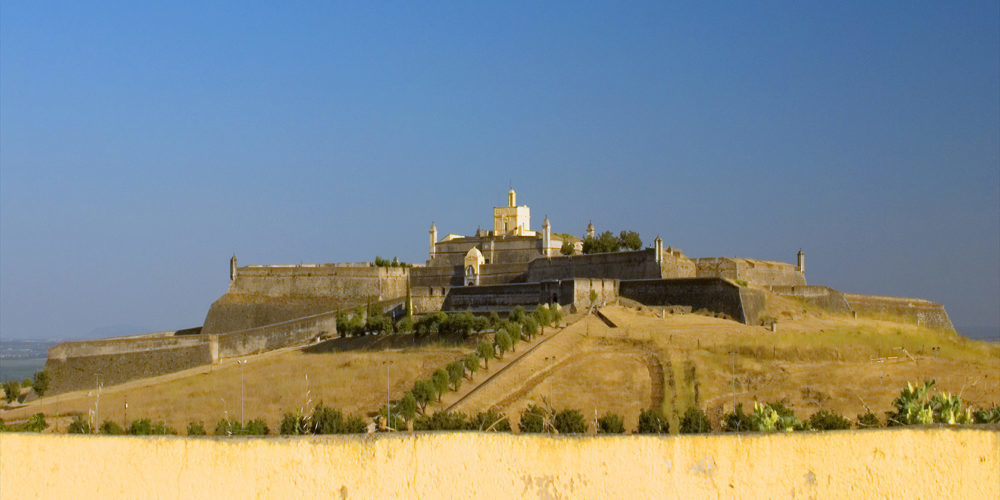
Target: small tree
[
  {"x": 111, "y": 428},
  {"x": 196, "y": 429},
  {"x": 35, "y": 423},
  {"x": 495, "y": 321},
  {"x": 326, "y": 420},
  {"x": 695, "y": 421},
  {"x": 141, "y": 427},
  {"x": 503, "y": 343},
  {"x": 257, "y": 427},
  {"x": 471, "y": 364},
  {"x": 26, "y": 383},
  {"x": 79, "y": 426},
  {"x": 593, "y": 297},
  {"x": 556, "y": 313},
  {"x": 566, "y": 248},
  {"x": 630, "y": 240},
  {"x": 12, "y": 389},
  {"x": 441, "y": 381},
  {"x": 530, "y": 327},
  {"x": 407, "y": 406},
  {"x": 456, "y": 370},
  {"x": 442, "y": 421},
  {"x": 490, "y": 421},
  {"x": 485, "y": 351},
  {"x": 423, "y": 392},
  {"x": 652, "y": 421},
  {"x": 570, "y": 422},
  {"x": 514, "y": 333},
  {"x": 610, "y": 423},
  {"x": 826, "y": 420},
  {"x": 532, "y": 419},
  {"x": 518, "y": 314},
  {"x": 737, "y": 421},
  {"x": 405, "y": 324},
  {"x": 41, "y": 382}
]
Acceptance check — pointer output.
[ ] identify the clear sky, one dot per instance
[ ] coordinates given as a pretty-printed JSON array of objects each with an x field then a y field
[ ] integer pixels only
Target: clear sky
[{"x": 142, "y": 143}]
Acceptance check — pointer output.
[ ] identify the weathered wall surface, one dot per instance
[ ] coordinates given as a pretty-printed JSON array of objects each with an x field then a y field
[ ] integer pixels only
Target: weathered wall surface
[
  {"x": 674, "y": 264},
  {"x": 640, "y": 264},
  {"x": 760, "y": 272},
  {"x": 428, "y": 299},
  {"x": 263, "y": 295},
  {"x": 75, "y": 365},
  {"x": 903, "y": 463},
  {"x": 506, "y": 297},
  {"x": 276, "y": 336},
  {"x": 822, "y": 296},
  {"x": 919, "y": 311},
  {"x": 714, "y": 294}
]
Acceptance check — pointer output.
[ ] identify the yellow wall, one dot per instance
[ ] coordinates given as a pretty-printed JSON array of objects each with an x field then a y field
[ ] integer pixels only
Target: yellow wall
[{"x": 932, "y": 463}]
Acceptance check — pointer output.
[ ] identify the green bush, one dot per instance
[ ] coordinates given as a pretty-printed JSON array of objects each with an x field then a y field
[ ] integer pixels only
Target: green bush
[
  {"x": 405, "y": 325},
  {"x": 196, "y": 429},
  {"x": 35, "y": 423},
  {"x": 111, "y": 428},
  {"x": 826, "y": 420},
  {"x": 407, "y": 406},
  {"x": 610, "y": 423},
  {"x": 695, "y": 421},
  {"x": 533, "y": 419},
  {"x": 489, "y": 421},
  {"x": 354, "y": 425},
  {"x": 293, "y": 424},
  {"x": 737, "y": 421},
  {"x": 570, "y": 422},
  {"x": 442, "y": 421},
  {"x": 517, "y": 315},
  {"x": 503, "y": 343},
  {"x": 566, "y": 248},
  {"x": 79, "y": 426},
  {"x": 326, "y": 420},
  {"x": 423, "y": 392},
  {"x": 11, "y": 389},
  {"x": 770, "y": 417},
  {"x": 868, "y": 421},
  {"x": 257, "y": 427},
  {"x": 143, "y": 427},
  {"x": 913, "y": 407},
  {"x": 652, "y": 421},
  {"x": 987, "y": 416},
  {"x": 226, "y": 427},
  {"x": 529, "y": 328},
  {"x": 41, "y": 382},
  {"x": 26, "y": 383}
]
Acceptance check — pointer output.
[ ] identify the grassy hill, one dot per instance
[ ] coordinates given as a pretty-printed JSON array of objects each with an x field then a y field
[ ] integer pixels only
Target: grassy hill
[{"x": 648, "y": 359}]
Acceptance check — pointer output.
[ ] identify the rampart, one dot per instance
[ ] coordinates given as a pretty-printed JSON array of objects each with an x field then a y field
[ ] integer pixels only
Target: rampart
[
  {"x": 263, "y": 295},
  {"x": 501, "y": 298},
  {"x": 760, "y": 272},
  {"x": 712, "y": 294},
  {"x": 77, "y": 365},
  {"x": 918, "y": 311},
  {"x": 897, "y": 463},
  {"x": 639, "y": 264}
]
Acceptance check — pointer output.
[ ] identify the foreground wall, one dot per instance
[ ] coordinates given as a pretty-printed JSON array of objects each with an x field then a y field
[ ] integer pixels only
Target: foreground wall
[
  {"x": 501, "y": 298},
  {"x": 713, "y": 294},
  {"x": 925, "y": 463},
  {"x": 904, "y": 309}
]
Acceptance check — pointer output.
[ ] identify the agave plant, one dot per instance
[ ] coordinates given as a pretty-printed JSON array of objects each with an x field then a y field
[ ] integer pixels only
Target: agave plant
[
  {"x": 948, "y": 409},
  {"x": 770, "y": 417}
]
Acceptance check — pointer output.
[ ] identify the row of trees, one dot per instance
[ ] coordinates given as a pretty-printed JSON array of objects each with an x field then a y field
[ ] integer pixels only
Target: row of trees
[
  {"x": 12, "y": 388},
  {"x": 608, "y": 242},
  {"x": 373, "y": 320},
  {"x": 395, "y": 262}
]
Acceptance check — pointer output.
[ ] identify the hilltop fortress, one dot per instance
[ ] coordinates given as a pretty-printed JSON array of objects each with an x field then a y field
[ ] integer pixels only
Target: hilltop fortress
[{"x": 272, "y": 306}]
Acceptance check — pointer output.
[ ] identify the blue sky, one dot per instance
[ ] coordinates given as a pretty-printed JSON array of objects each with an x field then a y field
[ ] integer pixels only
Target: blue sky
[{"x": 142, "y": 144}]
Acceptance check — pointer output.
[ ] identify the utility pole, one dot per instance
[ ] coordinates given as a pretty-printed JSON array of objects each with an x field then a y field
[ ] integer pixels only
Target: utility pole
[{"x": 243, "y": 371}]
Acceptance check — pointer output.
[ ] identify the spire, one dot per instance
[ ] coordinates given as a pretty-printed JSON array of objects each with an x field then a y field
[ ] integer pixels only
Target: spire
[{"x": 545, "y": 223}]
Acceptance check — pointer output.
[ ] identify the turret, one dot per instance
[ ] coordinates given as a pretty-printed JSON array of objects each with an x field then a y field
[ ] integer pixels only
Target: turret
[
  {"x": 434, "y": 238},
  {"x": 658, "y": 245},
  {"x": 232, "y": 268},
  {"x": 546, "y": 236},
  {"x": 511, "y": 198},
  {"x": 590, "y": 229},
  {"x": 801, "y": 261}
]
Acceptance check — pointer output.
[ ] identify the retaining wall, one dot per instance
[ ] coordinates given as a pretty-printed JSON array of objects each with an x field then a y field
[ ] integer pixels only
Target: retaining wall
[
  {"x": 919, "y": 311},
  {"x": 900, "y": 463},
  {"x": 640, "y": 264},
  {"x": 506, "y": 297},
  {"x": 713, "y": 294}
]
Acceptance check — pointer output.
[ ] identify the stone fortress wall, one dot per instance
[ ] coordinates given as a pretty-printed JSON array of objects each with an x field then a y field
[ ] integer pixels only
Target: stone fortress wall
[{"x": 901, "y": 309}]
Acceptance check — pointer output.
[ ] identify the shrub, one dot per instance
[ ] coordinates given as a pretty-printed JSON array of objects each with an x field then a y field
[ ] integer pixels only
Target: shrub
[
  {"x": 737, "y": 421},
  {"x": 354, "y": 425},
  {"x": 440, "y": 380},
  {"x": 570, "y": 422},
  {"x": 12, "y": 389},
  {"x": 407, "y": 406},
  {"x": 566, "y": 248},
  {"x": 257, "y": 427},
  {"x": 826, "y": 420},
  {"x": 405, "y": 325},
  {"x": 442, "y": 421},
  {"x": 471, "y": 363},
  {"x": 111, "y": 428},
  {"x": 530, "y": 328},
  {"x": 868, "y": 421},
  {"x": 326, "y": 420},
  {"x": 196, "y": 429},
  {"x": 26, "y": 383},
  {"x": 141, "y": 427},
  {"x": 987, "y": 416},
  {"x": 490, "y": 421},
  {"x": 485, "y": 351},
  {"x": 518, "y": 315},
  {"x": 35, "y": 423},
  {"x": 912, "y": 407},
  {"x": 770, "y": 417},
  {"x": 293, "y": 424},
  {"x": 533, "y": 419},
  {"x": 79, "y": 426},
  {"x": 41, "y": 382},
  {"x": 630, "y": 240},
  {"x": 695, "y": 421},
  {"x": 514, "y": 334},
  {"x": 556, "y": 314},
  {"x": 652, "y": 421},
  {"x": 226, "y": 427},
  {"x": 610, "y": 423},
  {"x": 456, "y": 370}
]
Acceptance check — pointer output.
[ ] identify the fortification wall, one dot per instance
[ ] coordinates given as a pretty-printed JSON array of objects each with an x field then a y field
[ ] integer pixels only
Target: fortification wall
[
  {"x": 428, "y": 299},
  {"x": 263, "y": 295},
  {"x": 640, "y": 264},
  {"x": 713, "y": 294},
  {"x": 276, "y": 336},
  {"x": 75, "y": 365},
  {"x": 822, "y": 296},
  {"x": 760, "y": 272},
  {"x": 506, "y": 297},
  {"x": 677, "y": 266},
  {"x": 837, "y": 464},
  {"x": 919, "y": 311}
]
